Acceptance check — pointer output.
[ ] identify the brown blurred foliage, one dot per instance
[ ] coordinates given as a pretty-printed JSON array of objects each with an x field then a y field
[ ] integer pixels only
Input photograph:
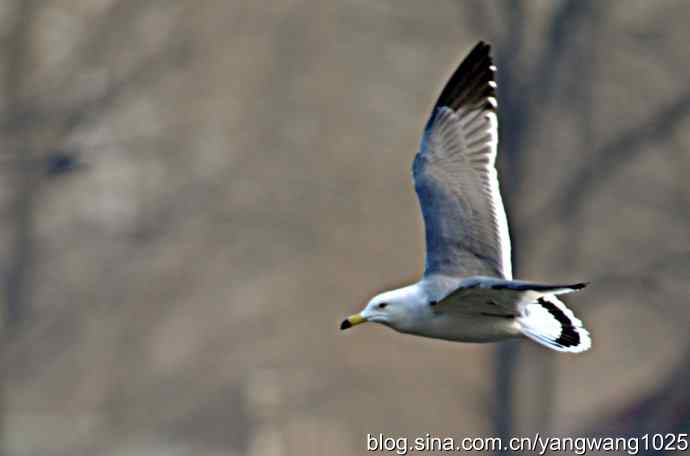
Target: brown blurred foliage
[{"x": 194, "y": 193}]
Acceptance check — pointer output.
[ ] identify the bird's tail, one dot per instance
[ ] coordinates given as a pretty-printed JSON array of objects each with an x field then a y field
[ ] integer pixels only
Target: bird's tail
[{"x": 549, "y": 322}]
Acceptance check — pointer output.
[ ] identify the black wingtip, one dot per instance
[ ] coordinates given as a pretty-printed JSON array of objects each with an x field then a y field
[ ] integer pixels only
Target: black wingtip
[
  {"x": 473, "y": 82},
  {"x": 484, "y": 46},
  {"x": 525, "y": 286}
]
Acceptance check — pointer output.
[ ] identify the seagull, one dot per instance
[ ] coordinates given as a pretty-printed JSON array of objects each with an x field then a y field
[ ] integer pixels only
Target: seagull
[{"x": 467, "y": 292}]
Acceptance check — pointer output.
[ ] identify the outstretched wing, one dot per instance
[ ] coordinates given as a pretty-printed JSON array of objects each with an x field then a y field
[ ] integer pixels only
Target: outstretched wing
[{"x": 455, "y": 177}]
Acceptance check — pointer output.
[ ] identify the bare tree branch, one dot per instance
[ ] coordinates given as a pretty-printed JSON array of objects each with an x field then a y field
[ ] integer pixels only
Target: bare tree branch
[
  {"x": 513, "y": 106},
  {"x": 517, "y": 102},
  {"x": 565, "y": 23},
  {"x": 16, "y": 278},
  {"x": 612, "y": 157},
  {"x": 108, "y": 30},
  {"x": 145, "y": 72}
]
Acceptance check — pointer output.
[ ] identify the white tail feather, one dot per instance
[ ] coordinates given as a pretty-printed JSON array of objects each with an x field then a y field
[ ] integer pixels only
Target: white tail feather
[{"x": 549, "y": 322}]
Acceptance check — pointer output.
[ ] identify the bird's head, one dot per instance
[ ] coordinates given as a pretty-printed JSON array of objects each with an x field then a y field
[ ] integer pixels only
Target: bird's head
[{"x": 391, "y": 308}]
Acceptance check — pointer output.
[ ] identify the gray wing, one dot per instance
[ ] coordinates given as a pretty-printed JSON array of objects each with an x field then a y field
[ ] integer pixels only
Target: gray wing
[
  {"x": 498, "y": 297},
  {"x": 455, "y": 178}
]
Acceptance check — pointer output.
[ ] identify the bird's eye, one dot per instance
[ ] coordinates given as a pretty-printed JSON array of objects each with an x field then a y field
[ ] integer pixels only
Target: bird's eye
[{"x": 382, "y": 305}]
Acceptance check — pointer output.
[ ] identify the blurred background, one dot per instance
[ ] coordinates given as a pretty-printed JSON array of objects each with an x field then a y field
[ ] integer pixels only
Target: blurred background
[{"x": 193, "y": 195}]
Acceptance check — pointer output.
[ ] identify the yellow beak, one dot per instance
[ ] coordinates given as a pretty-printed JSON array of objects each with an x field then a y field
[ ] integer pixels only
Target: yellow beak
[{"x": 352, "y": 320}]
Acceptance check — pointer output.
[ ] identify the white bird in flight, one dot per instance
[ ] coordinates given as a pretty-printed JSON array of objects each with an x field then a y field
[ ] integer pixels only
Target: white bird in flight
[{"x": 467, "y": 292}]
